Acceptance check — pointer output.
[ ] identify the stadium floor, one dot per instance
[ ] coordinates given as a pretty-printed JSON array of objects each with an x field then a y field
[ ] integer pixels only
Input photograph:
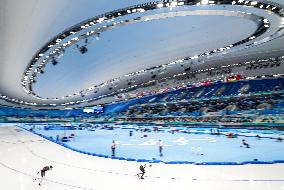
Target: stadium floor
[{"x": 22, "y": 154}]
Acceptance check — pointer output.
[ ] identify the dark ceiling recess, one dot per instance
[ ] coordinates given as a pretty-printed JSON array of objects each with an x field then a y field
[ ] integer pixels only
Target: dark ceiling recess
[
  {"x": 153, "y": 76},
  {"x": 187, "y": 69},
  {"x": 82, "y": 49},
  {"x": 129, "y": 83},
  {"x": 54, "y": 62},
  {"x": 110, "y": 88}
]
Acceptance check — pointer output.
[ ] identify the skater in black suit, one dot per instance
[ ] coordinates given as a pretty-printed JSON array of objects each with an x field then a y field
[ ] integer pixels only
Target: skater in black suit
[
  {"x": 42, "y": 173},
  {"x": 142, "y": 169},
  {"x": 245, "y": 144}
]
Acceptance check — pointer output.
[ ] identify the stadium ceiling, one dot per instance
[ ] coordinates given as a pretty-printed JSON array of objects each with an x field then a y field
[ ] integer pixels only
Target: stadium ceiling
[{"x": 56, "y": 54}]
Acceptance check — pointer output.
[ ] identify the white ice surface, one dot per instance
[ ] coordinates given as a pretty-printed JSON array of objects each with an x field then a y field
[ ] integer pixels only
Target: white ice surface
[{"x": 22, "y": 154}]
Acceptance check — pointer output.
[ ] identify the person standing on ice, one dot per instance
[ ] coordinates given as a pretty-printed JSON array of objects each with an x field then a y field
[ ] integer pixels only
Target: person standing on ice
[
  {"x": 161, "y": 145},
  {"x": 42, "y": 173},
  {"x": 113, "y": 146}
]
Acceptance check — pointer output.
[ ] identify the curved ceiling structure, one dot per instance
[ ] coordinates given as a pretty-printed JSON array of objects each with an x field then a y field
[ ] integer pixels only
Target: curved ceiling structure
[{"x": 56, "y": 54}]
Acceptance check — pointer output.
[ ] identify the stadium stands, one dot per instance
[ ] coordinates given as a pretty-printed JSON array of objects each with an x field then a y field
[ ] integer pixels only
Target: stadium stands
[{"x": 258, "y": 101}]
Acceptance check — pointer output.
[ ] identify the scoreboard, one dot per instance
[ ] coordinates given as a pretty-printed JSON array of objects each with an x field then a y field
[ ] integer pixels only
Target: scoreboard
[{"x": 94, "y": 109}]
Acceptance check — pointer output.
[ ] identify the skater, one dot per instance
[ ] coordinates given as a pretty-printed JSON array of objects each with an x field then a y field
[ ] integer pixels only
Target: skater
[
  {"x": 113, "y": 146},
  {"x": 130, "y": 133},
  {"x": 42, "y": 173},
  {"x": 217, "y": 131},
  {"x": 57, "y": 138},
  {"x": 161, "y": 145},
  {"x": 142, "y": 169},
  {"x": 244, "y": 143},
  {"x": 279, "y": 139}
]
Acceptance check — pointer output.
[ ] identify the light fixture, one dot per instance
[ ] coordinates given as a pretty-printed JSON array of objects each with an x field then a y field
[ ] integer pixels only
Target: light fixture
[
  {"x": 204, "y": 2},
  {"x": 173, "y": 4},
  {"x": 254, "y": 3},
  {"x": 160, "y": 5}
]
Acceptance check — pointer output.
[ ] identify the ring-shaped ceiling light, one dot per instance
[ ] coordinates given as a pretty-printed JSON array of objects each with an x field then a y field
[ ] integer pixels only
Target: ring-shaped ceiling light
[
  {"x": 97, "y": 25},
  {"x": 68, "y": 43}
]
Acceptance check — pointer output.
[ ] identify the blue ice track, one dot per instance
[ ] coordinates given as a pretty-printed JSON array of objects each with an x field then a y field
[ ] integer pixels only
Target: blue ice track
[{"x": 197, "y": 147}]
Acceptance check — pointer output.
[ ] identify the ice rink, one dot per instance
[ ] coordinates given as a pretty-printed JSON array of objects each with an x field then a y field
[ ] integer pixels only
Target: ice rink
[
  {"x": 23, "y": 154},
  {"x": 198, "y": 146}
]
